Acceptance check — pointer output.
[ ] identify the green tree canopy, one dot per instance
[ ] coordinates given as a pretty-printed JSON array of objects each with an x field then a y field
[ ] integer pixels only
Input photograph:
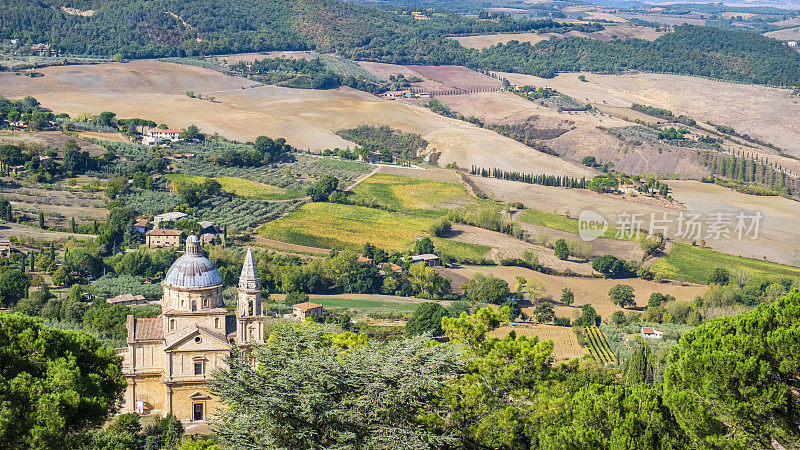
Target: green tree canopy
[
  {"x": 54, "y": 384},
  {"x": 488, "y": 289},
  {"x": 427, "y": 318},
  {"x": 622, "y": 295},
  {"x": 733, "y": 381},
  {"x": 312, "y": 389}
]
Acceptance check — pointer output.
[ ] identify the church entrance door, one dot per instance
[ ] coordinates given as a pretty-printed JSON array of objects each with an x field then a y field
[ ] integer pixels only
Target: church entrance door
[{"x": 198, "y": 411}]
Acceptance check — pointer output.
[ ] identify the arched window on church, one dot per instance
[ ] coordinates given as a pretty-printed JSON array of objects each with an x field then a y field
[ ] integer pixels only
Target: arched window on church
[
  {"x": 194, "y": 305},
  {"x": 250, "y": 308},
  {"x": 205, "y": 303},
  {"x": 171, "y": 324},
  {"x": 216, "y": 322}
]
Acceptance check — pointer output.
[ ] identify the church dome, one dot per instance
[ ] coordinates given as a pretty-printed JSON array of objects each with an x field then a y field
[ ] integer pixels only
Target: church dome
[{"x": 192, "y": 270}]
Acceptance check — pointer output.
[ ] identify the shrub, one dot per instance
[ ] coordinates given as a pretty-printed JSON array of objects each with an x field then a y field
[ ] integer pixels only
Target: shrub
[
  {"x": 561, "y": 249},
  {"x": 441, "y": 227},
  {"x": 720, "y": 276},
  {"x": 561, "y": 321}
]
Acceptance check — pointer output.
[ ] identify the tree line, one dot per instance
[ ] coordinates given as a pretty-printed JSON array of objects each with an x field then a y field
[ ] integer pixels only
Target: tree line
[{"x": 130, "y": 29}]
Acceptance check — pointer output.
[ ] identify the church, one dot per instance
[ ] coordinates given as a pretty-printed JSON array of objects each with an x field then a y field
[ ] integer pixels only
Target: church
[{"x": 170, "y": 358}]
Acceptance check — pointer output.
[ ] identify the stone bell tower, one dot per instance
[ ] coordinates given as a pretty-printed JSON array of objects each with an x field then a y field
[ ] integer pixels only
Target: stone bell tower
[{"x": 249, "y": 317}]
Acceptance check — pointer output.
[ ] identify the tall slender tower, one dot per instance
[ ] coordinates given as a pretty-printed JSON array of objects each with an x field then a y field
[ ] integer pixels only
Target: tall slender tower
[{"x": 249, "y": 317}]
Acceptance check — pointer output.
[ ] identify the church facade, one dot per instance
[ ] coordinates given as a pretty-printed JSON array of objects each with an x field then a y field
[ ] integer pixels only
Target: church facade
[{"x": 170, "y": 358}]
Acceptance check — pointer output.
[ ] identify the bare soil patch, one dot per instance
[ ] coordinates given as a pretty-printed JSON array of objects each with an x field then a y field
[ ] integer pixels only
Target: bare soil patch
[
  {"x": 770, "y": 114},
  {"x": 778, "y": 237},
  {"x": 672, "y": 20},
  {"x": 609, "y": 33},
  {"x": 113, "y": 137},
  {"x": 583, "y": 136},
  {"x": 50, "y": 138},
  {"x": 308, "y": 119},
  {"x": 627, "y": 250},
  {"x": 505, "y": 246},
  {"x": 565, "y": 343},
  {"x": 28, "y": 232},
  {"x": 592, "y": 291},
  {"x": 789, "y": 34},
  {"x": 435, "y": 78}
]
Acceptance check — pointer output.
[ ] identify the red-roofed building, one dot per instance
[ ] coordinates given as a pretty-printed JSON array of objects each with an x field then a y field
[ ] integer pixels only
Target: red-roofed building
[
  {"x": 652, "y": 333},
  {"x": 141, "y": 225},
  {"x": 127, "y": 299},
  {"x": 302, "y": 311}
]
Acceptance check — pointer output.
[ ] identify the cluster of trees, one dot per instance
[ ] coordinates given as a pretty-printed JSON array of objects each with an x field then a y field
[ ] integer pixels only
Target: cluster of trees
[
  {"x": 478, "y": 391},
  {"x": 746, "y": 169},
  {"x": 27, "y": 110},
  {"x": 40, "y": 164},
  {"x": 193, "y": 193},
  {"x": 545, "y": 180},
  {"x": 60, "y": 387},
  {"x": 303, "y": 74},
  {"x": 290, "y": 72},
  {"x": 662, "y": 113},
  {"x": 392, "y": 144},
  {"x": 263, "y": 150}
]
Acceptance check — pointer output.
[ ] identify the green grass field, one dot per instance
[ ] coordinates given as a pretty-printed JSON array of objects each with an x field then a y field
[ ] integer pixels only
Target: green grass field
[
  {"x": 695, "y": 264},
  {"x": 562, "y": 223},
  {"x": 460, "y": 250},
  {"x": 331, "y": 225},
  {"x": 366, "y": 306},
  {"x": 413, "y": 196},
  {"x": 240, "y": 187}
]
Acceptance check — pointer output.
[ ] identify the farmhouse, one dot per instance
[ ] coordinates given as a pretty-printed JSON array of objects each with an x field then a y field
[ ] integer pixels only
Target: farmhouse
[
  {"x": 652, "y": 333},
  {"x": 161, "y": 237},
  {"x": 170, "y": 216},
  {"x": 429, "y": 259},
  {"x": 169, "y": 358},
  {"x": 302, "y": 311},
  {"x": 155, "y": 135},
  {"x": 391, "y": 95}
]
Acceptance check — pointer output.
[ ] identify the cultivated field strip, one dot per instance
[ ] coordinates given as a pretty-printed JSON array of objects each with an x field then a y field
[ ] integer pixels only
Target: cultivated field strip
[{"x": 598, "y": 346}]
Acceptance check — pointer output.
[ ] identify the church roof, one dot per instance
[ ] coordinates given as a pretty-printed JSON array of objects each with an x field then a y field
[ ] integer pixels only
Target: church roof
[
  {"x": 145, "y": 329},
  {"x": 192, "y": 269}
]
